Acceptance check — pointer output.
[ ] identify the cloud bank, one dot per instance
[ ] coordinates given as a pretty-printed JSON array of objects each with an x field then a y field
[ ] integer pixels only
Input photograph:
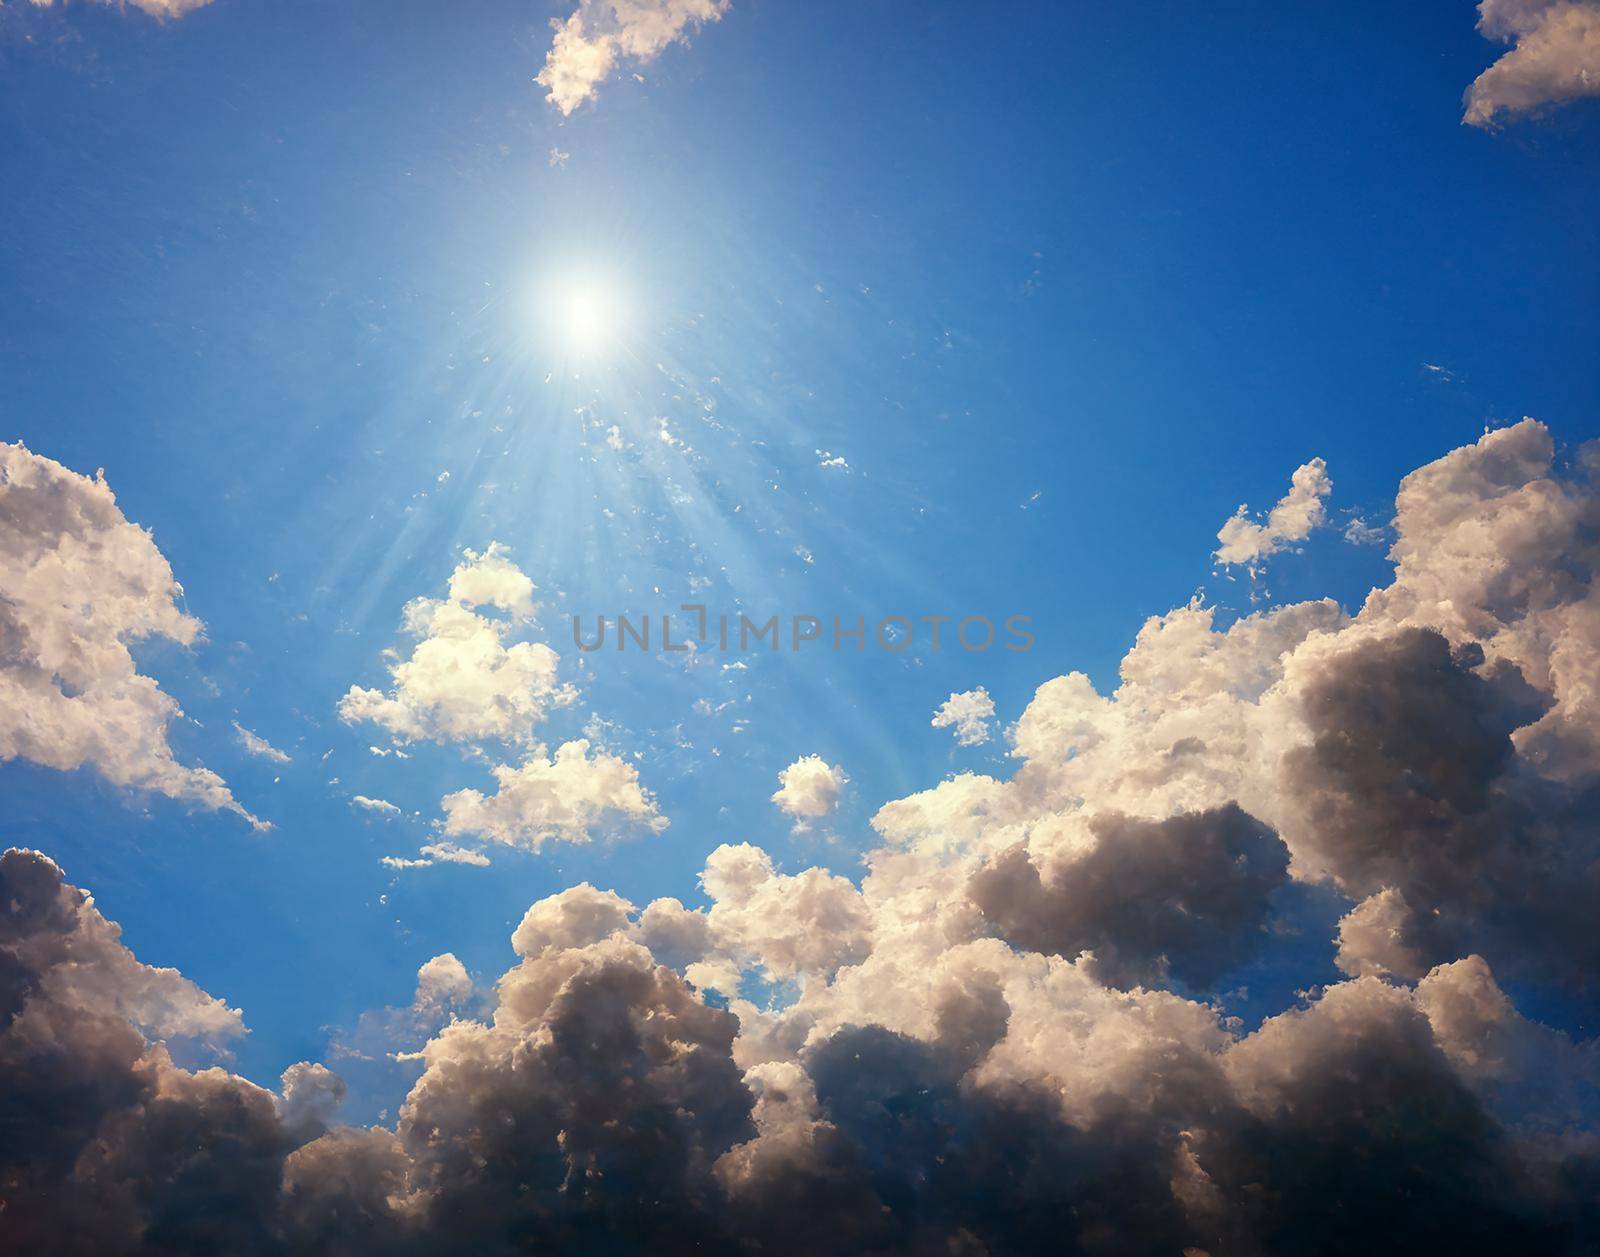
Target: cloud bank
[{"x": 1006, "y": 1038}]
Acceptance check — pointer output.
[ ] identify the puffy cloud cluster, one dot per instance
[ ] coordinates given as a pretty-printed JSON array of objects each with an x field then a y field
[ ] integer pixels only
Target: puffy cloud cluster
[
  {"x": 809, "y": 789},
  {"x": 967, "y": 715},
  {"x": 78, "y": 584},
  {"x": 462, "y": 683},
  {"x": 1555, "y": 57},
  {"x": 1009, "y": 1036},
  {"x": 812, "y": 923},
  {"x": 1186, "y": 897},
  {"x": 567, "y": 797},
  {"x": 600, "y": 35},
  {"x": 1243, "y": 541}
]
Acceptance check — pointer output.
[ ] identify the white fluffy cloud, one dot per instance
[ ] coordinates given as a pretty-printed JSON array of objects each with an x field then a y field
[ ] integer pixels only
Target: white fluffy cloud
[
  {"x": 491, "y": 579},
  {"x": 1292, "y": 519},
  {"x": 809, "y": 789},
  {"x": 462, "y": 683},
  {"x": 1555, "y": 57},
  {"x": 577, "y": 917},
  {"x": 442, "y": 982},
  {"x": 567, "y": 797},
  {"x": 600, "y": 36},
  {"x": 78, "y": 584},
  {"x": 967, "y": 715},
  {"x": 809, "y": 924}
]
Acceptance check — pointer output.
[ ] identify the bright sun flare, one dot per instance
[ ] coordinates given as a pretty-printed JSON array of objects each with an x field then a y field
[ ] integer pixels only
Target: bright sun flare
[{"x": 588, "y": 316}]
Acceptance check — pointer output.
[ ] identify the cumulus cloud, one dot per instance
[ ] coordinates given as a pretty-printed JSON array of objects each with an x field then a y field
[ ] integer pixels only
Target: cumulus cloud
[
  {"x": 1186, "y": 897},
  {"x": 812, "y": 923},
  {"x": 1008, "y": 1035},
  {"x": 74, "y": 961},
  {"x": 1362, "y": 1077},
  {"x": 1243, "y": 541},
  {"x": 462, "y": 683},
  {"x": 967, "y": 715},
  {"x": 442, "y": 982},
  {"x": 809, "y": 789},
  {"x": 1372, "y": 938},
  {"x": 567, "y": 797},
  {"x": 102, "y": 1131},
  {"x": 78, "y": 584},
  {"x": 378, "y": 1056},
  {"x": 381, "y": 806},
  {"x": 1007, "y": 1103},
  {"x": 1555, "y": 57},
  {"x": 602, "y": 36},
  {"x": 309, "y": 1096}
]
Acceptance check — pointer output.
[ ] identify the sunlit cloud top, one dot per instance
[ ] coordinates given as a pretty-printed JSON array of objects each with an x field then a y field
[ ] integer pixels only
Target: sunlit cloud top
[{"x": 603, "y": 36}]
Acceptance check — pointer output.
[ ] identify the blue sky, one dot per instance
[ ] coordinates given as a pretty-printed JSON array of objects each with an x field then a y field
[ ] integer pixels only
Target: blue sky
[{"x": 1063, "y": 290}]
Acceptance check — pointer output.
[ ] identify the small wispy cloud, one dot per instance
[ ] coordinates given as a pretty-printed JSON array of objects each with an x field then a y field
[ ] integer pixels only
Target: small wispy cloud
[
  {"x": 1360, "y": 533},
  {"x": 382, "y": 806},
  {"x": 155, "y": 8},
  {"x": 437, "y": 853},
  {"x": 258, "y": 746}
]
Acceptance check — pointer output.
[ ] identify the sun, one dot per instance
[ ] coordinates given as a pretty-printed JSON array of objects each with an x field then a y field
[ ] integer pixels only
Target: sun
[
  {"x": 589, "y": 317},
  {"x": 586, "y": 316}
]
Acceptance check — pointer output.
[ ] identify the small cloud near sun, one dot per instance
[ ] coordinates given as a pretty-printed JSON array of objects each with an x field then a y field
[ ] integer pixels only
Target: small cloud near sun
[{"x": 601, "y": 36}]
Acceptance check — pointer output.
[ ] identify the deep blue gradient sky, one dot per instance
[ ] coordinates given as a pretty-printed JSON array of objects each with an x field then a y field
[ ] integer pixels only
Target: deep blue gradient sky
[{"x": 276, "y": 267}]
